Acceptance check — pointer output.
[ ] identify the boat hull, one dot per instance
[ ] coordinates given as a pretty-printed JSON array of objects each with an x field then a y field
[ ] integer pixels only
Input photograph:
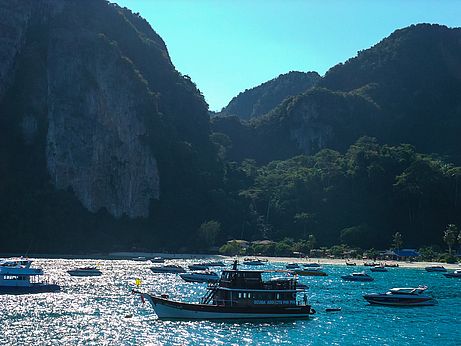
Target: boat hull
[
  {"x": 310, "y": 273},
  {"x": 348, "y": 278},
  {"x": 451, "y": 275},
  {"x": 82, "y": 273},
  {"x": 168, "y": 309},
  {"x": 36, "y": 288},
  {"x": 423, "y": 301},
  {"x": 199, "y": 279}
]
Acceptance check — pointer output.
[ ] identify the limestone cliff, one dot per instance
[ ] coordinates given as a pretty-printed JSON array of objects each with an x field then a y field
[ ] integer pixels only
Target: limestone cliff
[{"x": 91, "y": 92}]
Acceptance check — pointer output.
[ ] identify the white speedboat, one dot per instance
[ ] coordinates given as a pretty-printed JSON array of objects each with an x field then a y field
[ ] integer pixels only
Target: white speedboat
[
  {"x": 436, "y": 269},
  {"x": 199, "y": 266},
  {"x": 378, "y": 269},
  {"x": 86, "y": 271},
  {"x": 17, "y": 277},
  {"x": 205, "y": 276},
  {"x": 455, "y": 274},
  {"x": 239, "y": 294},
  {"x": 402, "y": 297},
  {"x": 362, "y": 276},
  {"x": 254, "y": 262},
  {"x": 169, "y": 268}
]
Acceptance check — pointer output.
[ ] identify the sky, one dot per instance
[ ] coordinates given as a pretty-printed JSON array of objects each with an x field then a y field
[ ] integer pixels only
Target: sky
[{"x": 227, "y": 46}]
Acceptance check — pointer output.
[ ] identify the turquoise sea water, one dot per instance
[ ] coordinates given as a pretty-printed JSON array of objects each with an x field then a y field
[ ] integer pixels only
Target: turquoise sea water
[{"x": 93, "y": 311}]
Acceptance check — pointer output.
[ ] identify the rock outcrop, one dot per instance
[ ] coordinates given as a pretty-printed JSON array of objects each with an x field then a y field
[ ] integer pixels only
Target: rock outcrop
[{"x": 91, "y": 86}]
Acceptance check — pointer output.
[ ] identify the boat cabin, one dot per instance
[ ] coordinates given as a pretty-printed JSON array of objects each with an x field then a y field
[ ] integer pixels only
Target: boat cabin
[{"x": 246, "y": 288}]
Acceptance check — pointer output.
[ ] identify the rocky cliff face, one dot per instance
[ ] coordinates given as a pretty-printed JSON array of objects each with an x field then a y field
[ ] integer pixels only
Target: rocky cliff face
[
  {"x": 90, "y": 86},
  {"x": 14, "y": 18},
  {"x": 95, "y": 129}
]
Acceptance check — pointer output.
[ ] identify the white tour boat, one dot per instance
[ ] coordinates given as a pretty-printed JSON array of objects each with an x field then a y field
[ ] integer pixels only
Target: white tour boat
[{"x": 17, "y": 277}]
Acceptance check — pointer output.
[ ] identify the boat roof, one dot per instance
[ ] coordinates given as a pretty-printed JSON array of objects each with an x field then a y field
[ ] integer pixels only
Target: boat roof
[{"x": 408, "y": 289}]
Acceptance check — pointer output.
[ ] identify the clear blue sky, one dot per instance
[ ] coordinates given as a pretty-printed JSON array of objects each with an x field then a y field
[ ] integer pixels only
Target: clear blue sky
[{"x": 227, "y": 46}]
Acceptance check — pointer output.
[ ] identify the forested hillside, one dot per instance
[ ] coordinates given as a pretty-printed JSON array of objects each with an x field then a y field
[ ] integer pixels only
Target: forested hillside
[
  {"x": 259, "y": 100},
  {"x": 405, "y": 89}
]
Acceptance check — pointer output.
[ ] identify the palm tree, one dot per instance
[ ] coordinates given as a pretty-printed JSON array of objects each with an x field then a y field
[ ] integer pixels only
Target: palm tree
[
  {"x": 450, "y": 235},
  {"x": 397, "y": 241}
]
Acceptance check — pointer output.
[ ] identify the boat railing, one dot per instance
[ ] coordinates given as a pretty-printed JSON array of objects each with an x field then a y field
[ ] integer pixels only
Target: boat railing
[{"x": 207, "y": 298}]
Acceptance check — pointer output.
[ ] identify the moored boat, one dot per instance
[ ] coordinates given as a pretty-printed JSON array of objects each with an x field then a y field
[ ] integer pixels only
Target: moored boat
[
  {"x": 436, "y": 269},
  {"x": 239, "y": 294},
  {"x": 254, "y": 262},
  {"x": 455, "y": 274},
  {"x": 311, "y": 265},
  {"x": 205, "y": 276},
  {"x": 292, "y": 266},
  {"x": 370, "y": 264},
  {"x": 157, "y": 260},
  {"x": 169, "y": 268},
  {"x": 313, "y": 271},
  {"x": 215, "y": 264},
  {"x": 351, "y": 263},
  {"x": 86, "y": 271},
  {"x": 407, "y": 296},
  {"x": 391, "y": 265},
  {"x": 198, "y": 266},
  {"x": 379, "y": 268},
  {"x": 139, "y": 259},
  {"x": 362, "y": 276},
  {"x": 17, "y": 277}
]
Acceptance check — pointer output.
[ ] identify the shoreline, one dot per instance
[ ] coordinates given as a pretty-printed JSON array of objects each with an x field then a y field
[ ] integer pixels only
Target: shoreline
[
  {"x": 335, "y": 261},
  {"x": 184, "y": 256}
]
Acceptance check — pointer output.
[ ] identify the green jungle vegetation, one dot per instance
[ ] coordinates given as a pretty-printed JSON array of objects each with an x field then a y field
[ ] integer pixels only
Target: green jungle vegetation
[{"x": 259, "y": 100}]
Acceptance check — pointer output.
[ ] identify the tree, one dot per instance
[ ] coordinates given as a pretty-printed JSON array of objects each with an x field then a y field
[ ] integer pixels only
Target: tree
[
  {"x": 311, "y": 242},
  {"x": 208, "y": 232},
  {"x": 449, "y": 236},
  {"x": 397, "y": 241},
  {"x": 230, "y": 249},
  {"x": 304, "y": 219}
]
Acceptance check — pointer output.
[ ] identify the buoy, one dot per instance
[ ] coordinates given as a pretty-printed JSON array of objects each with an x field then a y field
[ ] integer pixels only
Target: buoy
[{"x": 332, "y": 309}]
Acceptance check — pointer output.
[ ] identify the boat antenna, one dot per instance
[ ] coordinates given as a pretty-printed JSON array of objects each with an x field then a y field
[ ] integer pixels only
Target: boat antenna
[{"x": 30, "y": 245}]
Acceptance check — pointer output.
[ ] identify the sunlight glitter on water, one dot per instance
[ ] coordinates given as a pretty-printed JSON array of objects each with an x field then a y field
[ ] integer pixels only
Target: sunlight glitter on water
[{"x": 94, "y": 310}]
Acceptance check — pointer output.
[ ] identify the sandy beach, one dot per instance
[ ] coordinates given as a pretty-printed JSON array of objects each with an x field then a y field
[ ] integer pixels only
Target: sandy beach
[{"x": 326, "y": 261}]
